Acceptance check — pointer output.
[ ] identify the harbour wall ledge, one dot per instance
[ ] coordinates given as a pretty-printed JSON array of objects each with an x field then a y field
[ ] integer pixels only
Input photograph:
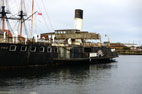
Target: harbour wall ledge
[{"x": 129, "y": 52}]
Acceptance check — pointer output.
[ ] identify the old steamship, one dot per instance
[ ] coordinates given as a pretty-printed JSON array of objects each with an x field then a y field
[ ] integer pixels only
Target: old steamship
[{"x": 58, "y": 47}]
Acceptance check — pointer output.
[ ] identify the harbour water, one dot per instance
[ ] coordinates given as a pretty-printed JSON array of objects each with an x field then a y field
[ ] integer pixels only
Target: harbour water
[{"x": 121, "y": 77}]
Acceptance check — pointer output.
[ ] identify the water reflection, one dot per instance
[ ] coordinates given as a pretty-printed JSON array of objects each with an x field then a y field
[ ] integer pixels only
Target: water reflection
[
  {"x": 19, "y": 77},
  {"x": 122, "y": 77},
  {"x": 105, "y": 66},
  {"x": 43, "y": 80}
]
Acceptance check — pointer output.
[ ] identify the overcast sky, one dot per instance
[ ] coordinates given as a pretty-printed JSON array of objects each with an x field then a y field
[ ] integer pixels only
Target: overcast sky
[{"x": 121, "y": 20}]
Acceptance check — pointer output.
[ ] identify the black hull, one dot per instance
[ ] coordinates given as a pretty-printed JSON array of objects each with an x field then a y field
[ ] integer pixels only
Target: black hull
[{"x": 56, "y": 56}]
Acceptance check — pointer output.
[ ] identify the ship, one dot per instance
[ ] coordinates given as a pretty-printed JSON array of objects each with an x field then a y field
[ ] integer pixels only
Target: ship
[{"x": 66, "y": 46}]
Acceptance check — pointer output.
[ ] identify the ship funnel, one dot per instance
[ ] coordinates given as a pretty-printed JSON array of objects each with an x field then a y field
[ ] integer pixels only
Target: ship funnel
[{"x": 78, "y": 20}]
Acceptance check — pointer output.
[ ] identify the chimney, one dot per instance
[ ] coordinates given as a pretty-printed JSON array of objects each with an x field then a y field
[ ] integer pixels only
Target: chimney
[{"x": 78, "y": 20}]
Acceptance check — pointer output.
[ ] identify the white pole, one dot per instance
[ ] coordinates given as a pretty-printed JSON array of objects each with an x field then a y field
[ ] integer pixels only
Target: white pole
[
  {"x": 16, "y": 35},
  {"x": 4, "y": 35},
  {"x": 35, "y": 37}
]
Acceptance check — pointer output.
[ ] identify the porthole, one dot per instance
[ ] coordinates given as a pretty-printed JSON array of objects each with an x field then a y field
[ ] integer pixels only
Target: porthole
[
  {"x": 55, "y": 50},
  {"x": 23, "y": 48},
  {"x": 13, "y": 48},
  {"x": 41, "y": 49},
  {"x": 33, "y": 49},
  {"x": 49, "y": 49}
]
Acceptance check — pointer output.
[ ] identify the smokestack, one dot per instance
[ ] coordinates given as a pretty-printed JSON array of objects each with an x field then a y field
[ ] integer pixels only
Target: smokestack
[{"x": 78, "y": 20}]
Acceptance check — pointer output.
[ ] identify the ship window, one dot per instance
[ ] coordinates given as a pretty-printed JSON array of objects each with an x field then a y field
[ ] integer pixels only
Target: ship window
[
  {"x": 33, "y": 49},
  {"x": 13, "y": 48},
  {"x": 55, "y": 50},
  {"x": 41, "y": 49},
  {"x": 49, "y": 49},
  {"x": 23, "y": 48}
]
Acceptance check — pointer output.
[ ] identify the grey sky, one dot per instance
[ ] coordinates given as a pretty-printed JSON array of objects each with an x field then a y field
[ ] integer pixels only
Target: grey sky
[{"x": 120, "y": 19}]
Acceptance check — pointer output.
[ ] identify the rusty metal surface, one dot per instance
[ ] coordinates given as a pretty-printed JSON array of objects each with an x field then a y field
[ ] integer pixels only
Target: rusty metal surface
[
  {"x": 77, "y": 36},
  {"x": 72, "y": 35}
]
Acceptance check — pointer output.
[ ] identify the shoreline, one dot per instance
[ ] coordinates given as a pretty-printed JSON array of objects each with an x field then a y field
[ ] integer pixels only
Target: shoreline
[{"x": 130, "y": 52}]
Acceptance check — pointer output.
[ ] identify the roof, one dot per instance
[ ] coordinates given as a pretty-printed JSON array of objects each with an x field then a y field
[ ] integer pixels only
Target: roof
[
  {"x": 68, "y": 30},
  {"x": 8, "y": 32},
  {"x": 117, "y": 45}
]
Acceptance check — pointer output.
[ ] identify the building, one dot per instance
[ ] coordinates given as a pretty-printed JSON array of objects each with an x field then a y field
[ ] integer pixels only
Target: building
[
  {"x": 132, "y": 46},
  {"x": 117, "y": 46}
]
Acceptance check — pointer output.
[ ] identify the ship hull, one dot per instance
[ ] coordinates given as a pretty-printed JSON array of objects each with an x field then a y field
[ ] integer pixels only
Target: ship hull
[{"x": 45, "y": 54}]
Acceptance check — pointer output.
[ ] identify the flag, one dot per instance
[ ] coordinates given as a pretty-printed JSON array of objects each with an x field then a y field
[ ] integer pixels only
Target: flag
[{"x": 39, "y": 13}]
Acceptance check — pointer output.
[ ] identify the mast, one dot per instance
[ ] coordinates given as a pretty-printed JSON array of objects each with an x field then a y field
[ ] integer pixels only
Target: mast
[
  {"x": 32, "y": 18},
  {"x": 21, "y": 19},
  {"x": 21, "y": 15},
  {"x": 3, "y": 16}
]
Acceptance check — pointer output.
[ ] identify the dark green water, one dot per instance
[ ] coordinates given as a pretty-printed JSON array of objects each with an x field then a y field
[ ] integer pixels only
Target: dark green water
[{"x": 121, "y": 77}]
